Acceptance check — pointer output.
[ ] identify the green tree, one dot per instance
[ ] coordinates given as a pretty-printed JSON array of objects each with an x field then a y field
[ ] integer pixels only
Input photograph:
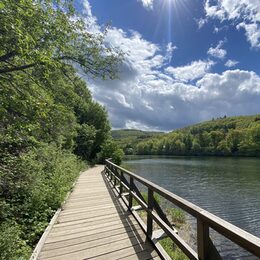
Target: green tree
[
  {"x": 234, "y": 137},
  {"x": 223, "y": 148},
  {"x": 48, "y": 33},
  {"x": 216, "y": 137},
  {"x": 110, "y": 150},
  {"x": 196, "y": 148},
  {"x": 85, "y": 140}
]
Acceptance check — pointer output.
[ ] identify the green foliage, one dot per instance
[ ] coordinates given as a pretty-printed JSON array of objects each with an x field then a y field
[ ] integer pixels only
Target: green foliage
[
  {"x": 177, "y": 216},
  {"x": 48, "y": 120},
  {"x": 33, "y": 186},
  {"x": 172, "y": 250},
  {"x": 145, "y": 196},
  {"x": 36, "y": 34},
  {"x": 127, "y": 139},
  {"x": 12, "y": 246},
  {"x": 237, "y": 136},
  {"x": 85, "y": 141},
  {"x": 111, "y": 150}
]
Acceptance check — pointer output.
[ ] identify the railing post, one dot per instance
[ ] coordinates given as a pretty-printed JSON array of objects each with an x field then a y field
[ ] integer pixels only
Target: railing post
[
  {"x": 109, "y": 172},
  {"x": 114, "y": 172},
  {"x": 149, "y": 217},
  {"x": 121, "y": 180},
  {"x": 203, "y": 240},
  {"x": 131, "y": 188}
]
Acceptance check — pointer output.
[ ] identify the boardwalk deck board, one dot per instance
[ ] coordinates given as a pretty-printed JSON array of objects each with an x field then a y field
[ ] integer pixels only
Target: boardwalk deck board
[{"x": 94, "y": 224}]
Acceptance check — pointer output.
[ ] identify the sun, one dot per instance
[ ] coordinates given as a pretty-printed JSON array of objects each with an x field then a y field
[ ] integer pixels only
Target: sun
[
  {"x": 173, "y": 3},
  {"x": 170, "y": 14}
]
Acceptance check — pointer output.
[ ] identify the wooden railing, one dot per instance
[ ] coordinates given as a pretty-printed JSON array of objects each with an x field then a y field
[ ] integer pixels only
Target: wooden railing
[{"x": 126, "y": 181}]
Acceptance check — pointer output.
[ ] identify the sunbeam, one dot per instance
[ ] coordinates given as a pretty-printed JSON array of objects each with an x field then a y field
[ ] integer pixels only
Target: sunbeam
[{"x": 171, "y": 13}]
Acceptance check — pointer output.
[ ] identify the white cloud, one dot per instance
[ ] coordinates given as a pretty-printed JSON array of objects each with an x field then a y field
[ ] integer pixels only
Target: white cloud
[
  {"x": 192, "y": 71},
  {"x": 243, "y": 13},
  {"x": 231, "y": 63},
  {"x": 147, "y": 96},
  {"x": 201, "y": 22},
  {"x": 87, "y": 8},
  {"x": 217, "y": 52},
  {"x": 148, "y": 4},
  {"x": 139, "y": 125},
  {"x": 89, "y": 19},
  {"x": 169, "y": 51},
  {"x": 252, "y": 33}
]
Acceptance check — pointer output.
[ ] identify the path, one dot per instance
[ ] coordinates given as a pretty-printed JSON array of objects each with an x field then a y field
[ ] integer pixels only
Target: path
[{"x": 95, "y": 224}]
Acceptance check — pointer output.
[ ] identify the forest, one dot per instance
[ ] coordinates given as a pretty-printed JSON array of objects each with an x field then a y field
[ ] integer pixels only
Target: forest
[
  {"x": 226, "y": 136},
  {"x": 50, "y": 127}
]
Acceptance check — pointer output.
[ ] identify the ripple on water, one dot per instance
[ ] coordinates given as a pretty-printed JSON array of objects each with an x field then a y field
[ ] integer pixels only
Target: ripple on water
[{"x": 226, "y": 187}]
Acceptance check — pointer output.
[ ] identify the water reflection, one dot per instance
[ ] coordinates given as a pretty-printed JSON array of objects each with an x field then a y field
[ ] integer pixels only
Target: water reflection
[{"x": 227, "y": 187}]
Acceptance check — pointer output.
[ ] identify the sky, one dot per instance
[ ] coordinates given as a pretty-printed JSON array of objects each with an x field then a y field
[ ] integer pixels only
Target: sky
[{"x": 186, "y": 61}]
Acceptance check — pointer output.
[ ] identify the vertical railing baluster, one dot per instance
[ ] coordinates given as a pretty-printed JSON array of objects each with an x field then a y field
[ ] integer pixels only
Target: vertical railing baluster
[
  {"x": 131, "y": 187},
  {"x": 203, "y": 240},
  {"x": 114, "y": 171},
  {"x": 121, "y": 180},
  {"x": 149, "y": 217},
  {"x": 110, "y": 175}
]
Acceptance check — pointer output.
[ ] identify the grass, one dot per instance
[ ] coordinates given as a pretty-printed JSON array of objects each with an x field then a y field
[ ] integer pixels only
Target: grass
[{"x": 172, "y": 250}]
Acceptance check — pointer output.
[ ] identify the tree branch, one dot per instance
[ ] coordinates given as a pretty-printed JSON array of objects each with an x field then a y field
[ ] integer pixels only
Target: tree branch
[
  {"x": 7, "y": 56},
  {"x": 24, "y": 67}
]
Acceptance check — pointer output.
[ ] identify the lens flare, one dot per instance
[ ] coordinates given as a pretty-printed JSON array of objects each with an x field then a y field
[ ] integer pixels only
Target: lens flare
[{"x": 171, "y": 12}]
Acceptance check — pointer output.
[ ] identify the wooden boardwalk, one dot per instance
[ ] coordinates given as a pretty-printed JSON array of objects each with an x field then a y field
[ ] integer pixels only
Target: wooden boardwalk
[{"x": 95, "y": 224}]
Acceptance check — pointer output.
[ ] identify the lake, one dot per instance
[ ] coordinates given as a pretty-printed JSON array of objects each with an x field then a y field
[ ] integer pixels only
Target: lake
[{"x": 226, "y": 187}]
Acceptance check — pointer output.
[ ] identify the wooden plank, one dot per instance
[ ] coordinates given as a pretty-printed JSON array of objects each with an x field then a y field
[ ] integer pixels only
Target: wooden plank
[
  {"x": 92, "y": 214},
  {"x": 124, "y": 252},
  {"x": 92, "y": 244},
  {"x": 90, "y": 237},
  {"x": 86, "y": 233},
  {"x": 113, "y": 246},
  {"x": 144, "y": 255},
  {"x": 96, "y": 226},
  {"x": 86, "y": 207},
  {"x": 93, "y": 222}
]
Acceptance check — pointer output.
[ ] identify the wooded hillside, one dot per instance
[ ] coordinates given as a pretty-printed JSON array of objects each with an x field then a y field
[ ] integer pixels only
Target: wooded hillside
[
  {"x": 127, "y": 139},
  {"x": 227, "y": 136}
]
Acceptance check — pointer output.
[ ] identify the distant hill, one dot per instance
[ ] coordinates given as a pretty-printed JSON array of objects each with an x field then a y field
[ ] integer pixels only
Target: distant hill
[
  {"x": 139, "y": 134},
  {"x": 127, "y": 139},
  {"x": 225, "y": 123},
  {"x": 225, "y": 136}
]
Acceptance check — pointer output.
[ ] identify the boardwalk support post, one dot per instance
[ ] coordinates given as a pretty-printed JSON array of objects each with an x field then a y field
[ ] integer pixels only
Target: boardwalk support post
[
  {"x": 115, "y": 171},
  {"x": 131, "y": 188},
  {"x": 203, "y": 240},
  {"x": 149, "y": 216},
  {"x": 121, "y": 180}
]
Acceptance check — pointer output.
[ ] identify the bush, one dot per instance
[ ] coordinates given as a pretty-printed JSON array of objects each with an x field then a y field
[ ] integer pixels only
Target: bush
[
  {"x": 110, "y": 150},
  {"x": 12, "y": 247},
  {"x": 32, "y": 187}
]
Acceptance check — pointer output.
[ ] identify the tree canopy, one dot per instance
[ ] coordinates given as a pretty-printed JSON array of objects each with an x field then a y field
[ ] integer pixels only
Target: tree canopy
[{"x": 49, "y": 33}]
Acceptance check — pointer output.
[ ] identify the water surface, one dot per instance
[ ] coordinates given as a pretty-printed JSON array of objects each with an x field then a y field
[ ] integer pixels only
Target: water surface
[{"x": 226, "y": 187}]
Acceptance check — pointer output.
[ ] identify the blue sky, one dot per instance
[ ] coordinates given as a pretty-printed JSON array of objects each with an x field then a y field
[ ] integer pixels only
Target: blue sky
[{"x": 187, "y": 60}]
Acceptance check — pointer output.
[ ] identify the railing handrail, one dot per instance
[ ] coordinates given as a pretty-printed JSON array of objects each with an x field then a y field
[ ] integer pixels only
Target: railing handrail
[{"x": 241, "y": 237}]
